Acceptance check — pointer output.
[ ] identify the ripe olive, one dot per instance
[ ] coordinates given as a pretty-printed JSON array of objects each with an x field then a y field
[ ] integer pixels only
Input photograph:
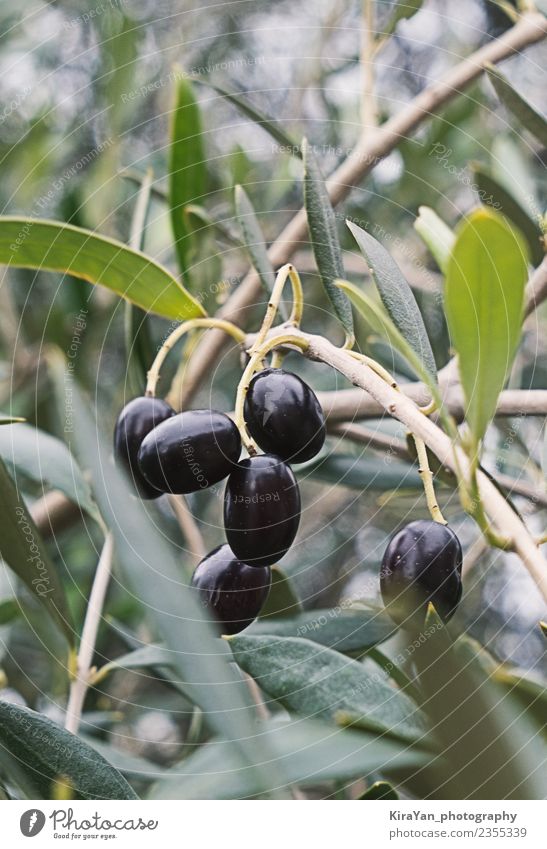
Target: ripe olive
[
  {"x": 421, "y": 564},
  {"x": 284, "y": 416},
  {"x": 190, "y": 451},
  {"x": 135, "y": 421},
  {"x": 261, "y": 510},
  {"x": 231, "y": 590}
]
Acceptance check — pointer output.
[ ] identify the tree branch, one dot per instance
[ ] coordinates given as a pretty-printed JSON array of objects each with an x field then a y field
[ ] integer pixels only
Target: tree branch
[
  {"x": 349, "y": 404},
  {"x": 404, "y": 409},
  {"x": 370, "y": 150}
]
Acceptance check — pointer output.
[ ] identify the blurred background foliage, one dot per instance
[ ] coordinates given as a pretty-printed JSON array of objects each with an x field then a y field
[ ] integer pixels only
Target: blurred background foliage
[{"x": 87, "y": 94}]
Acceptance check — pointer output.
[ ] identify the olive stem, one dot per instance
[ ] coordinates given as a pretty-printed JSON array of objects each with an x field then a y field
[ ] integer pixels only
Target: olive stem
[
  {"x": 288, "y": 271},
  {"x": 252, "y": 366},
  {"x": 427, "y": 479},
  {"x": 195, "y": 323},
  {"x": 84, "y": 671}
]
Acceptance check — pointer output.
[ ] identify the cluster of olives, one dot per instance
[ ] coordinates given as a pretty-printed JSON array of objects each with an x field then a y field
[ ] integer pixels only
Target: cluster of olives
[{"x": 180, "y": 453}]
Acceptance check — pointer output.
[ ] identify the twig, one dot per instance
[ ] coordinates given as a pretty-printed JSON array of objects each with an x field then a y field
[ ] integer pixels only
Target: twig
[
  {"x": 84, "y": 670},
  {"x": 349, "y": 404},
  {"x": 370, "y": 150},
  {"x": 188, "y": 526}
]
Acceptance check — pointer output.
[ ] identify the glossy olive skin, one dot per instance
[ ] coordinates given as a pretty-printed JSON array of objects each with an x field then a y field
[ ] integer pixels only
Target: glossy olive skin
[
  {"x": 422, "y": 563},
  {"x": 284, "y": 416},
  {"x": 135, "y": 421},
  {"x": 190, "y": 451},
  {"x": 233, "y": 592},
  {"x": 261, "y": 510}
]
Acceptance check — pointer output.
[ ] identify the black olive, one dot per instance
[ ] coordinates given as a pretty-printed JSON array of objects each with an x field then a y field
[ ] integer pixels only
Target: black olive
[
  {"x": 421, "y": 564},
  {"x": 135, "y": 421},
  {"x": 231, "y": 590},
  {"x": 261, "y": 510},
  {"x": 284, "y": 416},
  {"x": 191, "y": 451}
]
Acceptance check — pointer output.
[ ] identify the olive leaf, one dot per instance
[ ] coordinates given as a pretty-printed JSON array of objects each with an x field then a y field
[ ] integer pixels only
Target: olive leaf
[
  {"x": 484, "y": 300},
  {"x": 529, "y": 117},
  {"x": 323, "y": 236},
  {"x": 397, "y": 296},
  {"x": 24, "y": 552},
  {"x": 437, "y": 235},
  {"x": 54, "y": 246},
  {"x": 45, "y": 752},
  {"x": 187, "y": 166}
]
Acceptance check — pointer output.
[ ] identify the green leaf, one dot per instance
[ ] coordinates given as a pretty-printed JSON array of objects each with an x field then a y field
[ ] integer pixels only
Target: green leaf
[
  {"x": 323, "y": 236},
  {"x": 382, "y": 324},
  {"x": 146, "y": 657},
  {"x": 5, "y": 420},
  {"x": 380, "y": 790},
  {"x": 9, "y": 611},
  {"x": 490, "y": 748},
  {"x": 531, "y": 120},
  {"x": 493, "y": 194},
  {"x": 315, "y": 681},
  {"x": 402, "y": 11},
  {"x": 24, "y": 552},
  {"x": 282, "y": 600},
  {"x": 362, "y": 473},
  {"x": 187, "y": 166},
  {"x": 55, "y": 246},
  {"x": 305, "y": 751},
  {"x": 270, "y": 125},
  {"x": 47, "y": 460},
  {"x": 437, "y": 235},
  {"x": 254, "y": 241},
  {"x": 336, "y": 628},
  {"x": 484, "y": 297},
  {"x": 46, "y": 751},
  {"x": 397, "y": 296}
]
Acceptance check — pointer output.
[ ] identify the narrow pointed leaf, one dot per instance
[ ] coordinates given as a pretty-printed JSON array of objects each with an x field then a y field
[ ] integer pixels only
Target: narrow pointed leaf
[
  {"x": 397, "y": 296},
  {"x": 55, "y": 246},
  {"x": 323, "y": 236},
  {"x": 45, "y": 751},
  {"x": 282, "y": 600},
  {"x": 437, "y": 235},
  {"x": 24, "y": 552},
  {"x": 528, "y": 116},
  {"x": 187, "y": 166},
  {"x": 484, "y": 297},
  {"x": 270, "y": 125},
  {"x": 493, "y": 194},
  {"x": 315, "y": 681}
]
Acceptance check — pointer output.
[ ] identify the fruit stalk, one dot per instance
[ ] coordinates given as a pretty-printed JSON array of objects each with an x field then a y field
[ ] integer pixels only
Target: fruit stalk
[
  {"x": 286, "y": 272},
  {"x": 154, "y": 372},
  {"x": 427, "y": 479}
]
